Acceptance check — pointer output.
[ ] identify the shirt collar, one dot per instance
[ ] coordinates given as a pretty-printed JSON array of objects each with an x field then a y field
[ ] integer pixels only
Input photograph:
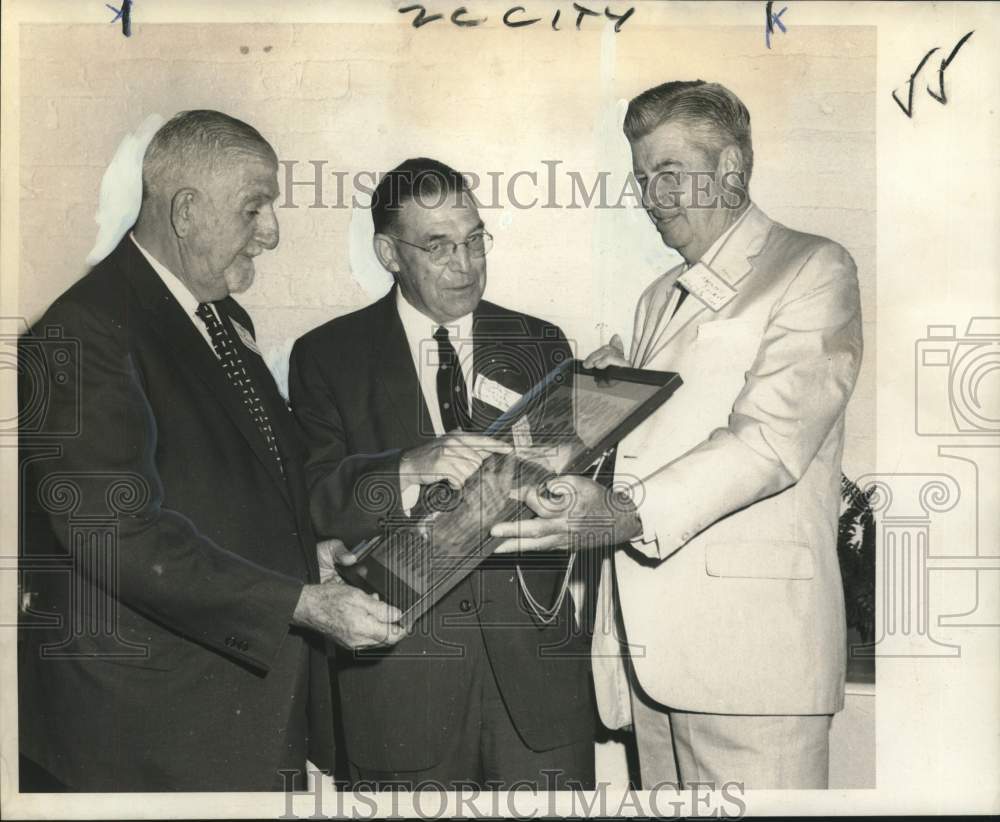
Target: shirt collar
[
  {"x": 179, "y": 291},
  {"x": 420, "y": 328},
  {"x": 709, "y": 256}
]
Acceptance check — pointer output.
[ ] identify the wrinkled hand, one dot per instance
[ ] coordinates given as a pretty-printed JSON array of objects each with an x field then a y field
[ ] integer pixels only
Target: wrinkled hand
[
  {"x": 611, "y": 354},
  {"x": 571, "y": 510},
  {"x": 453, "y": 457},
  {"x": 348, "y": 615}
]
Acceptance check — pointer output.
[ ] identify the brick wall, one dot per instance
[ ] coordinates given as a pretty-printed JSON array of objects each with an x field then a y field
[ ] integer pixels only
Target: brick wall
[{"x": 364, "y": 97}]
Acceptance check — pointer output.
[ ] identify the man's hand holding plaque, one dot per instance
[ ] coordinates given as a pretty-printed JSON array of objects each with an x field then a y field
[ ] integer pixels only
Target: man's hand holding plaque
[
  {"x": 611, "y": 354},
  {"x": 514, "y": 486},
  {"x": 570, "y": 511},
  {"x": 347, "y": 615},
  {"x": 452, "y": 458}
]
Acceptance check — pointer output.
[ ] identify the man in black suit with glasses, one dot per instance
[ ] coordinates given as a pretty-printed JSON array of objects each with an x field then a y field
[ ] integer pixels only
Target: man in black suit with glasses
[{"x": 487, "y": 689}]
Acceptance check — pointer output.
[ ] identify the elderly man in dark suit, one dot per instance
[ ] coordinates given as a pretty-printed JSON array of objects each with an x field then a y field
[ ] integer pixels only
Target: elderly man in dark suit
[
  {"x": 487, "y": 689},
  {"x": 179, "y": 645}
]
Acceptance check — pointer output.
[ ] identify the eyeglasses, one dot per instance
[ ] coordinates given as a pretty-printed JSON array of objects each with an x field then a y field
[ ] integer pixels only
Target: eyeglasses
[{"x": 441, "y": 251}]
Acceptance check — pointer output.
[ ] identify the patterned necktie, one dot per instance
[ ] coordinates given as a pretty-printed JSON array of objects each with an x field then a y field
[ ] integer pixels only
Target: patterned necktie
[
  {"x": 236, "y": 372},
  {"x": 451, "y": 389}
]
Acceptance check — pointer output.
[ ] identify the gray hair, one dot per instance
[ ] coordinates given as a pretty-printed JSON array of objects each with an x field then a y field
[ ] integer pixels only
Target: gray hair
[
  {"x": 194, "y": 142},
  {"x": 718, "y": 116}
]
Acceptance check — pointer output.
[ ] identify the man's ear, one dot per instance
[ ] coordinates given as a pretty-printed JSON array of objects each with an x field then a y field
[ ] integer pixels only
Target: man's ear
[
  {"x": 730, "y": 160},
  {"x": 182, "y": 211},
  {"x": 385, "y": 250}
]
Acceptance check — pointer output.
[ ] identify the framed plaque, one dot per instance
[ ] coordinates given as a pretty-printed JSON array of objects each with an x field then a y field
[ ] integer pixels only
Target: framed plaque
[{"x": 563, "y": 425}]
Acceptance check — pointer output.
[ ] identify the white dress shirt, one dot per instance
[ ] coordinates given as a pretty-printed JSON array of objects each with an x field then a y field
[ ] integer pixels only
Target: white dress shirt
[
  {"x": 419, "y": 330},
  {"x": 179, "y": 291}
]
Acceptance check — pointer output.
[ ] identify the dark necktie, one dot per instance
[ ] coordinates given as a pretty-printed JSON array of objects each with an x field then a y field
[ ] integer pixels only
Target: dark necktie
[
  {"x": 451, "y": 390},
  {"x": 680, "y": 302},
  {"x": 232, "y": 365}
]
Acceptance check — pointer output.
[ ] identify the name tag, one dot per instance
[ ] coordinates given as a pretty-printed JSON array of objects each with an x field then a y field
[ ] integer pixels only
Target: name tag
[
  {"x": 707, "y": 286},
  {"x": 492, "y": 393},
  {"x": 247, "y": 338}
]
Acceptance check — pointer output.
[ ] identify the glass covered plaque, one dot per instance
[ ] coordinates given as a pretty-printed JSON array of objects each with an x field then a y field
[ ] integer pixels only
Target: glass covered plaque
[{"x": 562, "y": 425}]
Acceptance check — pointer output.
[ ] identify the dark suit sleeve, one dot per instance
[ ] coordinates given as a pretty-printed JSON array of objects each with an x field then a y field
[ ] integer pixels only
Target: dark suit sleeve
[
  {"x": 166, "y": 568},
  {"x": 349, "y": 495}
]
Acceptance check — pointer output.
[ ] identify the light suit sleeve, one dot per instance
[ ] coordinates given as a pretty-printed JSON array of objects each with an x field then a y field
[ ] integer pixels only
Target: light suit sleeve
[{"x": 795, "y": 391}]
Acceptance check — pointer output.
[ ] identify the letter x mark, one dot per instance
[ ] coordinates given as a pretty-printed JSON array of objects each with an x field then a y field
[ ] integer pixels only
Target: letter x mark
[{"x": 125, "y": 15}]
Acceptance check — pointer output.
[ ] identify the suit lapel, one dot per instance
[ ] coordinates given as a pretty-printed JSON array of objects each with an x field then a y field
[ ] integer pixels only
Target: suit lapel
[
  {"x": 482, "y": 413},
  {"x": 657, "y": 321},
  {"x": 182, "y": 342},
  {"x": 396, "y": 373},
  {"x": 733, "y": 263},
  {"x": 504, "y": 353},
  {"x": 691, "y": 309}
]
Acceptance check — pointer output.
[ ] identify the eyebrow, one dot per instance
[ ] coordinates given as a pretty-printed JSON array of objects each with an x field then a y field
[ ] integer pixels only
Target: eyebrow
[
  {"x": 437, "y": 237},
  {"x": 666, "y": 162}
]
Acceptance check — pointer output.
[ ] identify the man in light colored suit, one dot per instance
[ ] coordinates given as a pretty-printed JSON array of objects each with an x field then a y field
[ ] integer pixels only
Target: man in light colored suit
[{"x": 727, "y": 652}]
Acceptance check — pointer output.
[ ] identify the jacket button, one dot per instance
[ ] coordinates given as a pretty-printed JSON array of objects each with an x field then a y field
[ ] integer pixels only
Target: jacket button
[{"x": 465, "y": 606}]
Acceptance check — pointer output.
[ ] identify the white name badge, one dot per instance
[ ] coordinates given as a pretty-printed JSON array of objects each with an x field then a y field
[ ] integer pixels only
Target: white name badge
[
  {"x": 247, "y": 338},
  {"x": 492, "y": 393},
  {"x": 707, "y": 286}
]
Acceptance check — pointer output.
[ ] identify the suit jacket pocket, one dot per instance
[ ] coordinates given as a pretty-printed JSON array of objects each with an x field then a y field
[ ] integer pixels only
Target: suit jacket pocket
[{"x": 770, "y": 559}]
